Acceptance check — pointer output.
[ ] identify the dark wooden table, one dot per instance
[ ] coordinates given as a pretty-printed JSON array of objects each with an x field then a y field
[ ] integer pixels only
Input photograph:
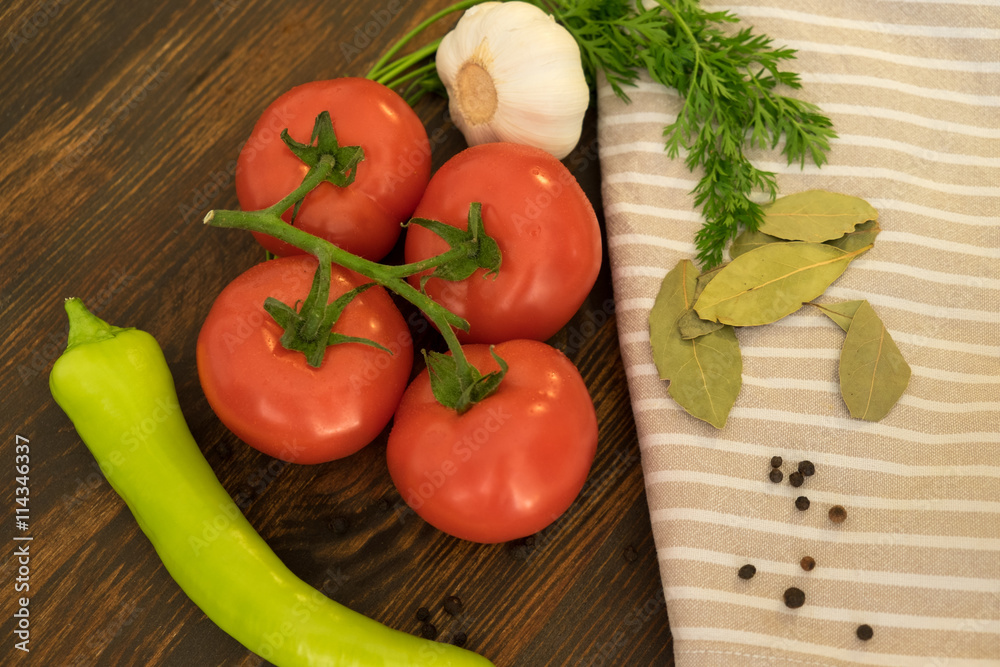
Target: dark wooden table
[{"x": 120, "y": 123}]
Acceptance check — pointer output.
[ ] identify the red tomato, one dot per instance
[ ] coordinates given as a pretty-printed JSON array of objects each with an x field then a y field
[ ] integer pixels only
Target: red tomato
[
  {"x": 270, "y": 397},
  {"x": 511, "y": 464},
  {"x": 364, "y": 217},
  {"x": 546, "y": 228}
]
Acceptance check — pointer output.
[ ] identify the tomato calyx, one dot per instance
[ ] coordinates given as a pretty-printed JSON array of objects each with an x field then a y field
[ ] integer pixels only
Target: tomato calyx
[
  {"x": 481, "y": 251},
  {"x": 309, "y": 329},
  {"x": 457, "y": 384},
  {"x": 323, "y": 147}
]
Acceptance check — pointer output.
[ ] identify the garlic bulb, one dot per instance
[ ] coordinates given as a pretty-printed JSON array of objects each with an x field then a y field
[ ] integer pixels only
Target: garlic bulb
[{"x": 514, "y": 74}]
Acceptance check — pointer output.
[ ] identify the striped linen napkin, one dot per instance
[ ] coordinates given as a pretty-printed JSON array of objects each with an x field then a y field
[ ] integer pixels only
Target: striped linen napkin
[{"x": 913, "y": 89}]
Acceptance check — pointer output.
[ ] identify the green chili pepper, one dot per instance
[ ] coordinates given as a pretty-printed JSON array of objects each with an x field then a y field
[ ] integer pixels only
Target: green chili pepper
[{"x": 115, "y": 386}]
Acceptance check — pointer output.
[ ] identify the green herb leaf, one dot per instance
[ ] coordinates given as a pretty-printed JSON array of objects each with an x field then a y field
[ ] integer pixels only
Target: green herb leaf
[
  {"x": 873, "y": 373},
  {"x": 731, "y": 82},
  {"x": 841, "y": 312},
  {"x": 773, "y": 281},
  {"x": 815, "y": 216},
  {"x": 705, "y": 373},
  {"x": 862, "y": 236}
]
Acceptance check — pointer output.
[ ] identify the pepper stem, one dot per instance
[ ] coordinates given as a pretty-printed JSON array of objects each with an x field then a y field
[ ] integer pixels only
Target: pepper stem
[{"x": 85, "y": 327}]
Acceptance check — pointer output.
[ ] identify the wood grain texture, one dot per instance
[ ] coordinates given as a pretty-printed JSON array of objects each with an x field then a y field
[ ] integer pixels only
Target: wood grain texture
[{"x": 120, "y": 124}]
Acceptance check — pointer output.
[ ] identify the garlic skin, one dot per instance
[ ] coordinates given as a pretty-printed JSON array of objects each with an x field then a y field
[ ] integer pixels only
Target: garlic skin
[{"x": 513, "y": 74}]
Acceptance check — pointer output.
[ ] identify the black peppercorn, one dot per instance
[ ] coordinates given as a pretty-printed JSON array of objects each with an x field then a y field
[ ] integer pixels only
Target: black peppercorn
[
  {"x": 776, "y": 461},
  {"x": 747, "y": 571},
  {"x": 794, "y": 598},
  {"x": 630, "y": 554},
  {"x": 838, "y": 514},
  {"x": 802, "y": 503},
  {"x": 428, "y": 631},
  {"x": 776, "y": 475},
  {"x": 423, "y": 613},
  {"x": 459, "y": 639},
  {"x": 453, "y": 605},
  {"x": 224, "y": 448},
  {"x": 807, "y": 468},
  {"x": 796, "y": 479},
  {"x": 807, "y": 563},
  {"x": 865, "y": 632},
  {"x": 339, "y": 525}
]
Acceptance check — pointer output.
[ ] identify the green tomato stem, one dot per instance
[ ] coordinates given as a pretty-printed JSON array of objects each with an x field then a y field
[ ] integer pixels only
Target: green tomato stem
[
  {"x": 267, "y": 221},
  {"x": 313, "y": 178}
]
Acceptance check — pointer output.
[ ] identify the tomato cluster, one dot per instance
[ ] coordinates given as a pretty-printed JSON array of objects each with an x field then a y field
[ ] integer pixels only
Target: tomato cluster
[{"x": 514, "y": 461}]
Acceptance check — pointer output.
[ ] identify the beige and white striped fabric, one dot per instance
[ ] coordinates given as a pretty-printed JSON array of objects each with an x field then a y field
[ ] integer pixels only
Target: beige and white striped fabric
[{"x": 913, "y": 89}]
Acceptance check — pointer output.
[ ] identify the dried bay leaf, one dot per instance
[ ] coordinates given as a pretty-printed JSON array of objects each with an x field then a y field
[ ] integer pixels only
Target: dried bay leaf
[
  {"x": 703, "y": 280},
  {"x": 873, "y": 373},
  {"x": 705, "y": 373},
  {"x": 709, "y": 378},
  {"x": 689, "y": 324},
  {"x": 862, "y": 236},
  {"x": 672, "y": 301},
  {"x": 750, "y": 240},
  {"x": 841, "y": 312},
  {"x": 772, "y": 281},
  {"x": 692, "y": 326},
  {"x": 815, "y": 216}
]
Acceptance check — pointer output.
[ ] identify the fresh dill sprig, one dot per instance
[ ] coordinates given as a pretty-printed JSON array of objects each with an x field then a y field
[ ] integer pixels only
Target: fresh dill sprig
[{"x": 730, "y": 83}]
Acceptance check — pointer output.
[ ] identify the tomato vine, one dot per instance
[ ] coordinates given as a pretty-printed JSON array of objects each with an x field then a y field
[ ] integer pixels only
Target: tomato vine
[{"x": 308, "y": 329}]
